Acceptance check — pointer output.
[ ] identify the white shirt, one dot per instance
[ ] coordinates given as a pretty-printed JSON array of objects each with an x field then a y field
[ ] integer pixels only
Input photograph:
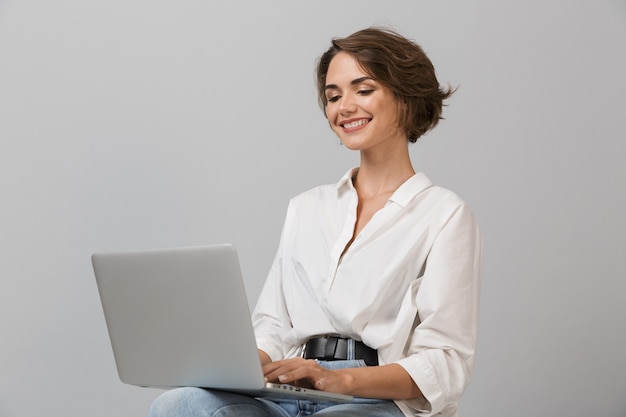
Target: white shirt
[{"x": 408, "y": 285}]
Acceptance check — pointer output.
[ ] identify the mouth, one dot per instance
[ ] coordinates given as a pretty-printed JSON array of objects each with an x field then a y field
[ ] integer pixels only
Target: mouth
[{"x": 353, "y": 124}]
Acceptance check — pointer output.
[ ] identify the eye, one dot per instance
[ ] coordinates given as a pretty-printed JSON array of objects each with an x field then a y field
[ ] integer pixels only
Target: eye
[
  {"x": 333, "y": 98},
  {"x": 365, "y": 92}
]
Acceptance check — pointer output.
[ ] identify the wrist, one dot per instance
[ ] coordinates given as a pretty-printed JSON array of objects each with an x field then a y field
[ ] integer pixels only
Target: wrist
[{"x": 349, "y": 380}]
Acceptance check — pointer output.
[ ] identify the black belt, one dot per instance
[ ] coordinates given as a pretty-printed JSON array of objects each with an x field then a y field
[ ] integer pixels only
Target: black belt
[{"x": 331, "y": 348}]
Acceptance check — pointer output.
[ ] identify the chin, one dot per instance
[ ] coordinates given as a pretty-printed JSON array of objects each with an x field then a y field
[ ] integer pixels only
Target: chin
[{"x": 351, "y": 145}]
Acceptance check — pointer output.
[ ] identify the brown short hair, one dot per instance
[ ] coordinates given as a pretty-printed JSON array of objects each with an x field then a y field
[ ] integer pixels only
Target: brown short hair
[{"x": 400, "y": 65}]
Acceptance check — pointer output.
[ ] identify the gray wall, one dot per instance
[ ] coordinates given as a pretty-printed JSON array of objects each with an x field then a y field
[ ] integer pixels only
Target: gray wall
[{"x": 130, "y": 124}]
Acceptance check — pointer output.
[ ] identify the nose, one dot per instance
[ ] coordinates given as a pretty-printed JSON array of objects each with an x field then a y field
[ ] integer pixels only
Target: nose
[{"x": 347, "y": 105}]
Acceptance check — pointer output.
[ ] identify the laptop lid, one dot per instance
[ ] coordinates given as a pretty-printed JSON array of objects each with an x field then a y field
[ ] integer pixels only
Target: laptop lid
[{"x": 180, "y": 317}]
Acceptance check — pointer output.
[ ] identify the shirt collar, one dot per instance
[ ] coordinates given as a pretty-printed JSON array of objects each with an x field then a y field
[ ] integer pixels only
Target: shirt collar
[
  {"x": 346, "y": 180},
  {"x": 410, "y": 188},
  {"x": 405, "y": 193}
]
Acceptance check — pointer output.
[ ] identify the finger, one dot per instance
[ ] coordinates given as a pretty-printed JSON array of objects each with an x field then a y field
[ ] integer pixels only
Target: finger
[
  {"x": 270, "y": 370},
  {"x": 319, "y": 384},
  {"x": 281, "y": 368},
  {"x": 308, "y": 373}
]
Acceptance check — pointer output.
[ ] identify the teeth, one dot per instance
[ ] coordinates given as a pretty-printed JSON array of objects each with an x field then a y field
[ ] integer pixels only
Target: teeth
[{"x": 355, "y": 124}]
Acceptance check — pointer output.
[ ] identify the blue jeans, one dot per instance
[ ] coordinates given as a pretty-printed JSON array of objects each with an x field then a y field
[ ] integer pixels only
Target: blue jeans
[{"x": 199, "y": 402}]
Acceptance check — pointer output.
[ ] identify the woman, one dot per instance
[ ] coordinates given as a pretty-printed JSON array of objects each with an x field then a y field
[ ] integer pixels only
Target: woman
[{"x": 374, "y": 288}]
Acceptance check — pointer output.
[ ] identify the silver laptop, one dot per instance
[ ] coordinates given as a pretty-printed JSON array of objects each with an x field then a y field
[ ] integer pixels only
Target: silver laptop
[{"x": 180, "y": 317}]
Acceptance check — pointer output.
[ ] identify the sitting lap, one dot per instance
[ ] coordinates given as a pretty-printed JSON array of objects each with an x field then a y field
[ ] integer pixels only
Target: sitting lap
[{"x": 198, "y": 402}]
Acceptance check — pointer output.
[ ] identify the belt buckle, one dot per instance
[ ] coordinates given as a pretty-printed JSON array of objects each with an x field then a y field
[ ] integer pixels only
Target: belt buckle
[{"x": 304, "y": 346}]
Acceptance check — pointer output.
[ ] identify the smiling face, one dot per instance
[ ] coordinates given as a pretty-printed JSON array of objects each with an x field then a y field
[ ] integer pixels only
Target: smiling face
[{"x": 360, "y": 110}]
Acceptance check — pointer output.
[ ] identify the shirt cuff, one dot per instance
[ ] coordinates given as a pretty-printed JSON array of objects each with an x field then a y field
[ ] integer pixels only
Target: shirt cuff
[{"x": 424, "y": 377}]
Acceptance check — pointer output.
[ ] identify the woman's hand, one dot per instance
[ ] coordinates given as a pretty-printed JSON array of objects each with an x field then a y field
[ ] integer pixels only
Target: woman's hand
[{"x": 307, "y": 373}]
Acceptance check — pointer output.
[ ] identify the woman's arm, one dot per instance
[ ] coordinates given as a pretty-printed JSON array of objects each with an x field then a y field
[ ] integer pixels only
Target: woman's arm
[
  {"x": 390, "y": 382},
  {"x": 387, "y": 381},
  {"x": 264, "y": 357}
]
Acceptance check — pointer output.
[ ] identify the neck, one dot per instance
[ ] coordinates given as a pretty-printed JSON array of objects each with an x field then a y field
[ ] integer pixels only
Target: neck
[{"x": 383, "y": 174}]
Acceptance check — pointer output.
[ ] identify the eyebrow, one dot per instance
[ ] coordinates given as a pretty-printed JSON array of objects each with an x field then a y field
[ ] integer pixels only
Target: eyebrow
[{"x": 353, "y": 82}]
